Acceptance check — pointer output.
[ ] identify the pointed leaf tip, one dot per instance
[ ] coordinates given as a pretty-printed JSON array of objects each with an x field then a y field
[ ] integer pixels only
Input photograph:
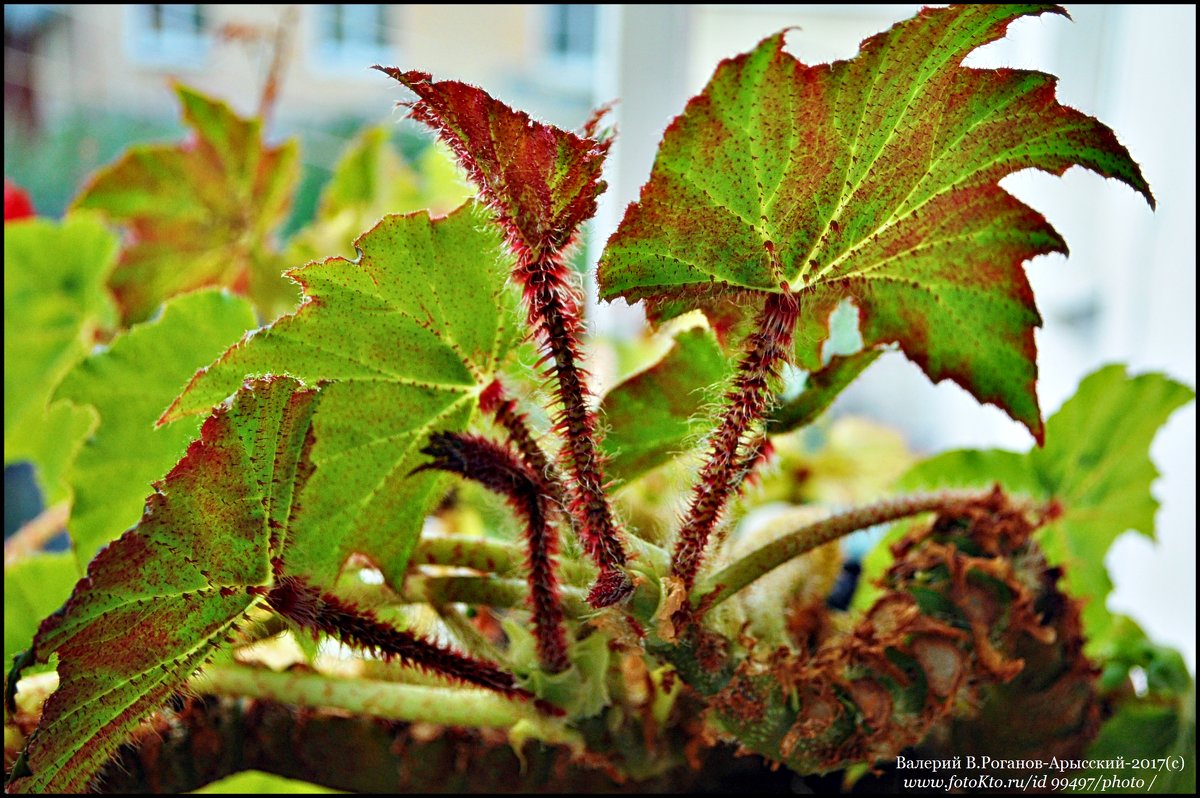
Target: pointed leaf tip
[{"x": 541, "y": 180}]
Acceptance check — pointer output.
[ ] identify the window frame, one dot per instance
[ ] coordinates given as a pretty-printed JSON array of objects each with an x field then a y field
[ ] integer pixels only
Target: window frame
[
  {"x": 347, "y": 56},
  {"x": 164, "y": 46}
]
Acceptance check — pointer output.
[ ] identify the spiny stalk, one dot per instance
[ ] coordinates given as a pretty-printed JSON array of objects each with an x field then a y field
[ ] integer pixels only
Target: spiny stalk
[
  {"x": 746, "y": 402},
  {"x": 501, "y": 470},
  {"x": 553, "y": 307},
  {"x": 316, "y": 611},
  {"x": 542, "y": 182}
]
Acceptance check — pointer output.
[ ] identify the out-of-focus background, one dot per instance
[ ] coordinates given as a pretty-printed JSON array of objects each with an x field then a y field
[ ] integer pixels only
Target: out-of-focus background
[{"x": 83, "y": 81}]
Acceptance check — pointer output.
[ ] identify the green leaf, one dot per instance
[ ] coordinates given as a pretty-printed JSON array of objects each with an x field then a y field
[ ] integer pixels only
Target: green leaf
[
  {"x": 255, "y": 782},
  {"x": 1125, "y": 646},
  {"x": 34, "y": 587},
  {"x": 1098, "y": 468},
  {"x": 409, "y": 335},
  {"x": 156, "y": 602},
  {"x": 1159, "y": 723},
  {"x": 974, "y": 468},
  {"x": 54, "y": 304},
  {"x": 1095, "y": 470},
  {"x": 1150, "y": 731},
  {"x": 370, "y": 181},
  {"x": 820, "y": 389},
  {"x": 657, "y": 413},
  {"x": 873, "y": 179},
  {"x": 129, "y": 384},
  {"x": 200, "y": 212}
]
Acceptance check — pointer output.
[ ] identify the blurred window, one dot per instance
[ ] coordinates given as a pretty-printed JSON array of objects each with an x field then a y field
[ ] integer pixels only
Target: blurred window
[
  {"x": 571, "y": 31},
  {"x": 168, "y": 34},
  {"x": 351, "y": 35},
  {"x": 569, "y": 47}
]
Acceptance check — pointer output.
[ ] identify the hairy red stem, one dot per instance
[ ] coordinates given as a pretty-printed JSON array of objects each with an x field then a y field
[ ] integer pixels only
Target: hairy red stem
[
  {"x": 553, "y": 309},
  {"x": 499, "y": 404},
  {"x": 746, "y": 402},
  {"x": 504, "y": 472},
  {"x": 312, "y": 609}
]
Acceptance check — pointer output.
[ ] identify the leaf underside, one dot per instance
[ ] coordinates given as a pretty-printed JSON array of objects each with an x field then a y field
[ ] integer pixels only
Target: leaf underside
[
  {"x": 873, "y": 179},
  {"x": 407, "y": 337},
  {"x": 157, "y": 602}
]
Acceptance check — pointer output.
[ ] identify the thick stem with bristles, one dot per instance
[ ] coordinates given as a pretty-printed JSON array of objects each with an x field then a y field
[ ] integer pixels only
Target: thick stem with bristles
[
  {"x": 745, "y": 403},
  {"x": 553, "y": 310},
  {"x": 316, "y": 611},
  {"x": 499, "y": 404},
  {"x": 729, "y": 580},
  {"x": 501, "y": 470}
]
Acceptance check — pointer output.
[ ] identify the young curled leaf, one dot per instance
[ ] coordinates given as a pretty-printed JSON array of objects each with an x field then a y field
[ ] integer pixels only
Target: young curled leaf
[{"x": 971, "y": 623}]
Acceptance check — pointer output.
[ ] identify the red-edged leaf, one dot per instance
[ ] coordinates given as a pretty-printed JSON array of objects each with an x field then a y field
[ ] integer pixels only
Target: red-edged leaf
[
  {"x": 541, "y": 181},
  {"x": 199, "y": 213},
  {"x": 157, "y": 602},
  {"x": 873, "y": 179}
]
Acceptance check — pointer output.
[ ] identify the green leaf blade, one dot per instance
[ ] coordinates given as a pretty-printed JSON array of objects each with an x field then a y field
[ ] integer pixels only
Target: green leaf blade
[
  {"x": 54, "y": 303},
  {"x": 34, "y": 587},
  {"x": 129, "y": 384},
  {"x": 406, "y": 351},
  {"x": 1097, "y": 465},
  {"x": 653, "y": 415},
  {"x": 873, "y": 179},
  {"x": 157, "y": 602}
]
